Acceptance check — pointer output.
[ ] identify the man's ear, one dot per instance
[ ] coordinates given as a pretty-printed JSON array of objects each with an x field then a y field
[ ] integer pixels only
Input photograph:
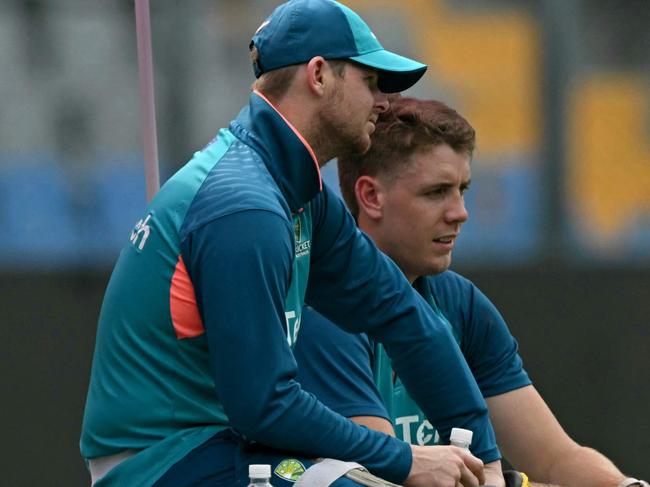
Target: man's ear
[
  {"x": 317, "y": 71},
  {"x": 370, "y": 197}
]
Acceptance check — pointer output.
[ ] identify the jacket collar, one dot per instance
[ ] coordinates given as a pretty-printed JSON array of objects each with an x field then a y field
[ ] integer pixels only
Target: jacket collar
[
  {"x": 285, "y": 152},
  {"x": 423, "y": 287}
]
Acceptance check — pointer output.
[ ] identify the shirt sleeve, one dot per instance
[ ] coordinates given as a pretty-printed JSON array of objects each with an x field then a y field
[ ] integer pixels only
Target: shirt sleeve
[
  {"x": 357, "y": 287},
  {"x": 336, "y": 367},
  {"x": 490, "y": 349},
  {"x": 241, "y": 282}
]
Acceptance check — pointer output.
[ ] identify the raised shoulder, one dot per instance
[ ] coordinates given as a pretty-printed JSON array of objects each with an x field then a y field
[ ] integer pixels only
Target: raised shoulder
[
  {"x": 453, "y": 292},
  {"x": 239, "y": 181}
]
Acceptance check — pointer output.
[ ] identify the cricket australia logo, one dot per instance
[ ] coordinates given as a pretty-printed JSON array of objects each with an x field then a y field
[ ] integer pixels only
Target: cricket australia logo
[
  {"x": 301, "y": 248},
  {"x": 141, "y": 232},
  {"x": 289, "y": 469}
]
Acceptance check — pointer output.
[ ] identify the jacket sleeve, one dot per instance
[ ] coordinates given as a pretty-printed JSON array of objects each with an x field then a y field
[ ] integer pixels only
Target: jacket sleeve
[
  {"x": 357, "y": 287},
  {"x": 240, "y": 265}
]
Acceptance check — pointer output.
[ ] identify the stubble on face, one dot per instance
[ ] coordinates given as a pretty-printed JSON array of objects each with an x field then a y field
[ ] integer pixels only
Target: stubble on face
[{"x": 339, "y": 127}]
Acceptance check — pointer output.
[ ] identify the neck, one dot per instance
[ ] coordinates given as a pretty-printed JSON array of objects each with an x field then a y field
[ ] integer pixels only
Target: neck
[{"x": 303, "y": 117}]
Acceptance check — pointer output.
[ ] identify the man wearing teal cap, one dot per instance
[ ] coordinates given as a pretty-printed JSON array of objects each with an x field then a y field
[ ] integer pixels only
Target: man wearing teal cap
[
  {"x": 193, "y": 374},
  {"x": 300, "y": 30}
]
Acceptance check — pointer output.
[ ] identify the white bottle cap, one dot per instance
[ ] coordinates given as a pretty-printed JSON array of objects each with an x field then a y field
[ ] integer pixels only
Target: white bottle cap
[
  {"x": 460, "y": 436},
  {"x": 259, "y": 471}
]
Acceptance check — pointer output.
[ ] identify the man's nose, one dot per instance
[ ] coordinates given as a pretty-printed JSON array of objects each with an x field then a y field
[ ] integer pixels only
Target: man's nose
[
  {"x": 457, "y": 211},
  {"x": 381, "y": 102}
]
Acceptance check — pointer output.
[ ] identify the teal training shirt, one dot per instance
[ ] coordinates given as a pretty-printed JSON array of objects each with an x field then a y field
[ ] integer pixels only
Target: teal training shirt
[
  {"x": 354, "y": 375},
  {"x": 409, "y": 421}
]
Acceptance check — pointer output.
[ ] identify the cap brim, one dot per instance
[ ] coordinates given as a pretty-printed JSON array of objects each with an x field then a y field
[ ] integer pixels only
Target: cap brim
[{"x": 396, "y": 73}]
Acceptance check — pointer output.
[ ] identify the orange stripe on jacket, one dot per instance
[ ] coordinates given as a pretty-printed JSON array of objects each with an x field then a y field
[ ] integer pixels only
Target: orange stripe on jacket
[{"x": 182, "y": 303}]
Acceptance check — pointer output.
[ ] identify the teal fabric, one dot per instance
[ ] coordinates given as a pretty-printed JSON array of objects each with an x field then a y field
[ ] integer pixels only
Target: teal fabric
[
  {"x": 144, "y": 468},
  {"x": 364, "y": 39},
  {"x": 408, "y": 419}
]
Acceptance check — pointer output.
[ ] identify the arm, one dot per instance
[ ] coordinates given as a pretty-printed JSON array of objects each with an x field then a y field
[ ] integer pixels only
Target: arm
[
  {"x": 448, "y": 458},
  {"x": 535, "y": 443},
  {"x": 241, "y": 292},
  {"x": 375, "y": 423},
  {"x": 490, "y": 349},
  {"x": 530, "y": 436},
  {"x": 336, "y": 367}
]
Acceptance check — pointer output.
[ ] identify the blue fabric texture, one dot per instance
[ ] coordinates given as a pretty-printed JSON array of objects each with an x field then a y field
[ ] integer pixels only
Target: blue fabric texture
[
  {"x": 339, "y": 367},
  {"x": 199, "y": 468}
]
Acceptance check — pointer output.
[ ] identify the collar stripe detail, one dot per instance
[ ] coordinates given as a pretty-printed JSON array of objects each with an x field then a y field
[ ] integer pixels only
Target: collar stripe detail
[{"x": 298, "y": 134}]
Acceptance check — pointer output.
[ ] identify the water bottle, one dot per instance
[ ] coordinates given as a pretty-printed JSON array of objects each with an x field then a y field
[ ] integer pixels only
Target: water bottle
[
  {"x": 461, "y": 438},
  {"x": 260, "y": 475}
]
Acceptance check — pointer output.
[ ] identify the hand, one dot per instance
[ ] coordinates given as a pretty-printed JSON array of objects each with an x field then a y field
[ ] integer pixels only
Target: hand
[
  {"x": 494, "y": 474},
  {"x": 444, "y": 466}
]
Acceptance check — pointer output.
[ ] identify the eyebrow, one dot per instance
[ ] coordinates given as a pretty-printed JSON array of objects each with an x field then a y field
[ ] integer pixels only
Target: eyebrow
[{"x": 445, "y": 185}]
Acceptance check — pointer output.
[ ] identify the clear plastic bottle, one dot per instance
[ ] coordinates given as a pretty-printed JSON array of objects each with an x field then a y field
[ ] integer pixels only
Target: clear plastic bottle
[
  {"x": 260, "y": 475},
  {"x": 461, "y": 438}
]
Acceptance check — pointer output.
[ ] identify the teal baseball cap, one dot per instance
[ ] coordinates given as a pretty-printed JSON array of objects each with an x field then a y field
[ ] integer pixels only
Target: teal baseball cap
[{"x": 299, "y": 30}]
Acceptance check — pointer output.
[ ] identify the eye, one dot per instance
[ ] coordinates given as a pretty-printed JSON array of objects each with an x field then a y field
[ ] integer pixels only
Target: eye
[
  {"x": 436, "y": 192},
  {"x": 371, "y": 80}
]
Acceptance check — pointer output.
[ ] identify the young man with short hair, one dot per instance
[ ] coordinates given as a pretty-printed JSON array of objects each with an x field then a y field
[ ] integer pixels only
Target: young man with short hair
[{"x": 406, "y": 193}]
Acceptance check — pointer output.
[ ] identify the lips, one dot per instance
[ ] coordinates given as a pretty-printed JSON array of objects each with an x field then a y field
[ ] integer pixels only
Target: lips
[{"x": 446, "y": 239}]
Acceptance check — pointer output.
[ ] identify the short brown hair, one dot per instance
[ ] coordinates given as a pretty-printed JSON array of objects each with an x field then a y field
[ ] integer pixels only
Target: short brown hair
[
  {"x": 275, "y": 84},
  {"x": 408, "y": 126}
]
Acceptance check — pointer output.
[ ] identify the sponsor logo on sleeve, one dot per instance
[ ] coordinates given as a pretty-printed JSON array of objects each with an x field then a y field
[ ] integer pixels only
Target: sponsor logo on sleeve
[{"x": 141, "y": 232}]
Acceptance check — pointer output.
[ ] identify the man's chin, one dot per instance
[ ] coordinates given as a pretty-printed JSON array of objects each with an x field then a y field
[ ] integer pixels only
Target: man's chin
[
  {"x": 440, "y": 266},
  {"x": 357, "y": 148}
]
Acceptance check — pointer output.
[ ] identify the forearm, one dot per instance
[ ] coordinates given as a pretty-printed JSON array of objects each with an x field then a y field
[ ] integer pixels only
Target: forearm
[
  {"x": 375, "y": 423},
  {"x": 584, "y": 467},
  {"x": 534, "y": 442}
]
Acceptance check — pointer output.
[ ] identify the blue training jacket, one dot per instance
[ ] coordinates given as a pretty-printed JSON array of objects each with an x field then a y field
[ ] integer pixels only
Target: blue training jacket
[{"x": 204, "y": 304}]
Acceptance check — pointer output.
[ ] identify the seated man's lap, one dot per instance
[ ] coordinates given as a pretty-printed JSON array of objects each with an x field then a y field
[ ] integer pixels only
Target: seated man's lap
[{"x": 223, "y": 461}]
